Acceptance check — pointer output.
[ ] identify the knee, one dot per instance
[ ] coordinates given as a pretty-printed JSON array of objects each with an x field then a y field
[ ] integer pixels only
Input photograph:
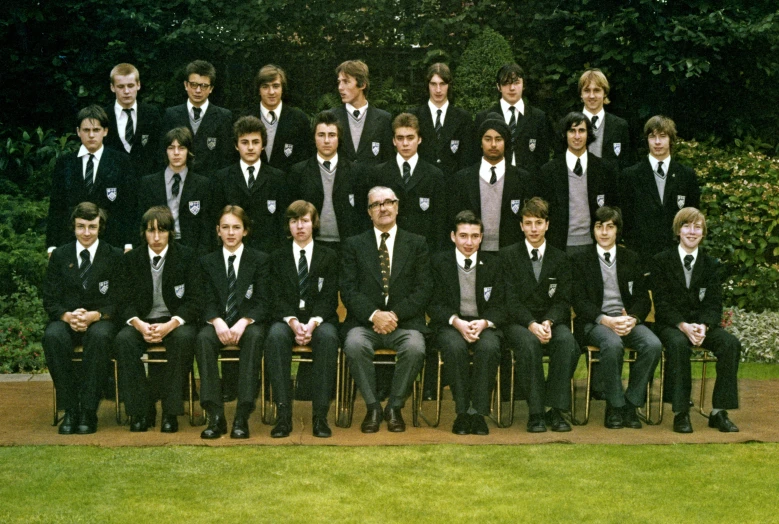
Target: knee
[{"x": 356, "y": 345}]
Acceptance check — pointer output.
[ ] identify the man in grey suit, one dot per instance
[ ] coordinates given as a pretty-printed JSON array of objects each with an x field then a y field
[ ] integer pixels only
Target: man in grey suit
[{"x": 385, "y": 286}]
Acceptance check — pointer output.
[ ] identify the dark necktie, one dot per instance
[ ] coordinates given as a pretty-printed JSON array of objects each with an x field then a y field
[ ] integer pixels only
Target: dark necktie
[
  {"x": 197, "y": 111},
  {"x": 272, "y": 117},
  {"x": 577, "y": 169},
  {"x": 84, "y": 267},
  {"x": 327, "y": 164},
  {"x": 513, "y": 121},
  {"x": 384, "y": 261},
  {"x": 176, "y": 185},
  {"x": 406, "y": 172},
  {"x": 595, "y": 122},
  {"x": 155, "y": 261},
  {"x": 660, "y": 171},
  {"x": 303, "y": 275},
  {"x": 494, "y": 177},
  {"x": 534, "y": 255},
  {"x": 688, "y": 262},
  {"x": 607, "y": 258},
  {"x": 438, "y": 125},
  {"x": 356, "y": 114},
  {"x": 250, "y": 169},
  {"x": 468, "y": 263},
  {"x": 232, "y": 304},
  {"x": 90, "y": 174},
  {"x": 129, "y": 132}
]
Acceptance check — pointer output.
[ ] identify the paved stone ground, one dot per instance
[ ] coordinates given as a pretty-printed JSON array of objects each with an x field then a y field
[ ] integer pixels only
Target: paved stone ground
[{"x": 26, "y": 418}]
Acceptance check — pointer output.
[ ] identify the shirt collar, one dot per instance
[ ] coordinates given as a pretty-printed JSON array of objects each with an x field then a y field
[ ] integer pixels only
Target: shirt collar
[
  {"x": 333, "y": 161},
  {"x": 541, "y": 249},
  {"x": 461, "y": 258},
  {"x": 256, "y": 165},
  {"x": 169, "y": 174},
  {"x": 411, "y": 162},
  {"x": 350, "y": 109},
  {"x": 238, "y": 252},
  {"x": 92, "y": 250},
  {"x": 519, "y": 105},
  {"x": 612, "y": 252},
  {"x": 392, "y": 232},
  {"x": 204, "y": 107},
  {"x": 308, "y": 248},
  {"x": 118, "y": 109},
  {"x": 570, "y": 160},
  {"x": 266, "y": 112},
  {"x": 666, "y": 162},
  {"x": 83, "y": 151},
  {"x": 485, "y": 170},
  {"x": 600, "y": 114},
  {"x": 683, "y": 253},
  {"x": 434, "y": 109},
  {"x": 152, "y": 254}
]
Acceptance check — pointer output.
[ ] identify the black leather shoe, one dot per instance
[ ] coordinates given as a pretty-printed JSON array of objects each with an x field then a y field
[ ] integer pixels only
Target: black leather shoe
[
  {"x": 722, "y": 422},
  {"x": 613, "y": 419},
  {"x": 462, "y": 424},
  {"x": 682, "y": 422},
  {"x": 217, "y": 426},
  {"x": 320, "y": 428},
  {"x": 372, "y": 421},
  {"x": 87, "y": 423},
  {"x": 479, "y": 425},
  {"x": 241, "y": 427},
  {"x": 170, "y": 423},
  {"x": 138, "y": 424},
  {"x": 630, "y": 417},
  {"x": 556, "y": 422},
  {"x": 69, "y": 422},
  {"x": 536, "y": 424},
  {"x": 394, "y": 418}
]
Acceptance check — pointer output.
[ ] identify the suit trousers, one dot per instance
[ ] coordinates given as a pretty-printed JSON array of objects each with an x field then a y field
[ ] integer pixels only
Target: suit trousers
[
  {"x": 133, "y": 382},
  {"x": 563, "y": 352},
  {"x": 470, "y": 387},
  {"x": 278, "y": 355},
  {"x": 78, "y": 389},
  {"x": 612, "y": 351},
  {"x": 207, "y": 348},
  {"x": 725, "y": 347},
  {"x": 360, "y": 347}
]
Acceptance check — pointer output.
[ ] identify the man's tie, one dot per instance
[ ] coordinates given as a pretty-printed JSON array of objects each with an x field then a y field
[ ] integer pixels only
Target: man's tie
[
  {"x": 303, "y": 275},
  {"x": 384, "y": 261},
  {"x": 272, "y": 116},
  {"x": 155, "y": 261},
  {"x": 660, "y": 171},
  {"x": 129, "y": 132},
  {"x": 513, "y": 121},
  {"x": 197, "y": 111},
  {"x": 232, "y": 304},
  {"x": 577, "y": 169},
  {"x": 494, "y": 177},
  {"x": 594, "y": 122},
  {"x": 406, "y": 172},
  {"x": 438, "y": 125},
  {"x": 356, "y": 114},
  {"x": 176, "y": 185},
  {"x": 90, "y": 174},
  {"x": 327, "y": 165},
  {"x": 84, "y": 267},
  {"x": 534, "y": 255},
  {"x": 468, "y": 263},
  {"x": 688, "y": 262},
  {"x": 250, "y": 169},
  {"x": 607, "y": 258}
]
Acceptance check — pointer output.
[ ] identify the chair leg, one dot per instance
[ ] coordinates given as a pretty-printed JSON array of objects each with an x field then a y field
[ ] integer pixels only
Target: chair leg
[
  {"x": 702, "y": 396},
  {"x": 439, "y": 391},
  {"x": 418, "y": 384},
  {"x": 420, "y": 396},
  {"x": 116, "y": 393},
  {"x": 56, "y": 414}
]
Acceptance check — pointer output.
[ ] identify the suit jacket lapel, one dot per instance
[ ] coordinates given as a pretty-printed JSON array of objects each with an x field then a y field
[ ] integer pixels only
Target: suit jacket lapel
[
  {"x": 474, "y": 192},
  {"x": 416, "y": 177},
  {"x": 243, "y": 278},
  {"x": 367, "y": 130},
  {"x": 371, "y": 252},
  {"x": 261, "y": 179},
  {"x": 452, "y": 280},
  {"x": 160, "y": 192},
  {"x": 400, "y": 255}
]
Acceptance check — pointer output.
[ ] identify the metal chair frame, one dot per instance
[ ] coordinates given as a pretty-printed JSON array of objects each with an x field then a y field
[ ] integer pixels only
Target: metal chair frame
[{"x": 705, "y": 357}]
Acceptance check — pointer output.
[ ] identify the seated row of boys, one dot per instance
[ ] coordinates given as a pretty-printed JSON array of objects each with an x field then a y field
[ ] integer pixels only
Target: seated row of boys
[{"x": 520, "y": 300}]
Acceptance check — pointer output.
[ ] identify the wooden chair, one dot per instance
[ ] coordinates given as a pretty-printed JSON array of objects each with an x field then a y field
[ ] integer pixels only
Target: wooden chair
[
  {"x": 78, "y": 356},
  {"x": 699, "y": 354}
]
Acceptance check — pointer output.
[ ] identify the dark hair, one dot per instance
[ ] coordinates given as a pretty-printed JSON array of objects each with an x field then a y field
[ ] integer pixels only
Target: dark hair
[
  {"x": 239, "y": 212},
  {"x": 268, "y": 73},
  {"x": 247, "y": 125},
  {"x": 327, "y": 118},
  {"x": 440, "y": 69},
  {"x": 662, "y": 124},
  {"x": 509, "y": 73},
  {"x": 574, "y": 118},
  {"x": 183, "y": 136},
  {"x": 163, "y": 217},
  {"x": 357, "y": 69},
  {"x": 405, "y": 120},
  {"x": 467, "y": 217},
  {"x": 536, "y": 207},
  {"x": 301, "y": 208},
  {"x": 609, "y": 213},
  {"x": 202, "y": 68},
  {"x": 92, "y": 112},
  {"x": 89, "y": 211}
]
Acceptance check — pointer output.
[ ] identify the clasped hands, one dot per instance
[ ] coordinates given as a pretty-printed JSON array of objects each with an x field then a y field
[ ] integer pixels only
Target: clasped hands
[
  {"x": 229, "y": 336},
  {"x": 80, "y": 319},
  {"x": 303, "y": 332},
  {"x": 542, "y": 331},
  {"x": 621, "y": 325},
  {"x": 154, "y": 333},
  {"x": 695, "y": 332},
  {"x": 385, "y": 322},
  {"x": 470, "y": 330}
]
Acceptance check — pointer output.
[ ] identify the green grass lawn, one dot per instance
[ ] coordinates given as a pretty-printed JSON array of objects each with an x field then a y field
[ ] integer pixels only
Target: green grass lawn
[{"x": 441, "y": 483}]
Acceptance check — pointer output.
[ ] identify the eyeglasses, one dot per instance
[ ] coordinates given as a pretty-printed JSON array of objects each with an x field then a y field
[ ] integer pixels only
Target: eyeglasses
[
  {"x": 195, "y": 85},
  {"x": 386, "y": 203}
]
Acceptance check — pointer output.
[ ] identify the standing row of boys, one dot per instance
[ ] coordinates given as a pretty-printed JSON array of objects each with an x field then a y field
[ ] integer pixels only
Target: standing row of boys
[{"x": 487, "y": 182}]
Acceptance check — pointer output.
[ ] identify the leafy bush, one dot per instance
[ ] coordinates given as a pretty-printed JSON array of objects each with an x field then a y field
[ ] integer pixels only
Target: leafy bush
[
  {"x": 22, "y": 241},
  {"x": 758, "y": 333},
  {"x": 740, "y": 196},
  {"x": 22, "y": 322},
  {"x": 475, "y": 75}
]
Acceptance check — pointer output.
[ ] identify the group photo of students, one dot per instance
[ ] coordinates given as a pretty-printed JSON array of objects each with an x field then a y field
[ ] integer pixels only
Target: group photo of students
[{"x": 494, "y": 237}]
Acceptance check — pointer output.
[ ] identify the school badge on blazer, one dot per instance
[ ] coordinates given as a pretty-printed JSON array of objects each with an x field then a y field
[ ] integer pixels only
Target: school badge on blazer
[
  {"x": 701, "y": 294},
  {"x": 680, "y": 199},
  {"x": 515, "y": 206},
  {"x": 454, "y": 145},
  {"x": 211, "y": 142},
  {"x": 630, "y": 287},
  {"x": 250, "y": 291},
  {"x": 103, "y": 287},
  {"x": 424, "y": 203},
  {"x": 600, "y": 199},
  {"x": 288, "y": 149},
  {"x": 375, "y": 146},
  {"x": 531, "y": 145},
  {"x": 144, "y": 139},
  {"x": 111, "y": 193},
  {"x": 271, "y": 206},
  {"x": 179, "y": 290},
  {"x": 194, "y": 207},
  {"x": 617, "y": 148},
  {"x": 321, "y": 283},
  {"x": 351, "y": 199},
  {"x": 487, "y": 293},
  {"x": 552, "y": 289}
]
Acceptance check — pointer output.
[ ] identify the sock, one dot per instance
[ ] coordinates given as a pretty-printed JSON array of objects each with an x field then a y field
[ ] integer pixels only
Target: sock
[{"x": 714, "y": 411}]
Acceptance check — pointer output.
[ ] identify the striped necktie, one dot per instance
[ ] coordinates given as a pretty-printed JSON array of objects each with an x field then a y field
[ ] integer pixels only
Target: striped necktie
[
  {"x": 303, "y": 275},
  {"x": 84, "y": 267},
  {"x": 231, "y": 307}
]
